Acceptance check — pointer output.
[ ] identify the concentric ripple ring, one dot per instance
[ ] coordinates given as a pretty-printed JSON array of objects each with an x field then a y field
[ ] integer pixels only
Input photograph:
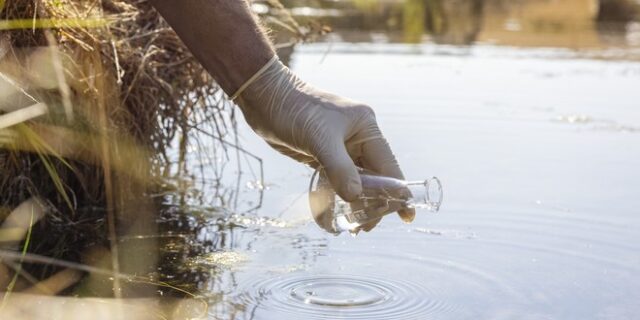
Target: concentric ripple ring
[{"x": 346, "y": 296}]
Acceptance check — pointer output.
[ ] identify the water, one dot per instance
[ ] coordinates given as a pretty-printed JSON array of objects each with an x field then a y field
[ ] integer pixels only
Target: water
[
  {"x": 539, "y": 154},
  {"x": 537, "y": 142},
  {"x": 345, "y": 296}
]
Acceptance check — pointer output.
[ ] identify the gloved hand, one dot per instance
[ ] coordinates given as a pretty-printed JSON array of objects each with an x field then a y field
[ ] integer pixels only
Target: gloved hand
[{"x": 319, "y": 129}]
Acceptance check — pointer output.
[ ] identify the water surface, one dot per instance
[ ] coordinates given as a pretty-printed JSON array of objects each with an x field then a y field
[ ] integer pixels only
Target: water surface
[{"x": 538, "y": 152}]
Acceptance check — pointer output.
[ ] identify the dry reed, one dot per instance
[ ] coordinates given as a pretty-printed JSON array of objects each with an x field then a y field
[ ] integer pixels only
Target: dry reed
[{"x": 96, "y": 96}]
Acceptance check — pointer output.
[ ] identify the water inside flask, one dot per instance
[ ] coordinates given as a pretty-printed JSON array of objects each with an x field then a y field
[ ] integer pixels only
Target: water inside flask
[{"x": 380, "y": 196}]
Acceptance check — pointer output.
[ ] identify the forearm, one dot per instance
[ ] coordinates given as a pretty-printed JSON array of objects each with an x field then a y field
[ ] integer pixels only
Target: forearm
[{"x": 223, "y": 35}]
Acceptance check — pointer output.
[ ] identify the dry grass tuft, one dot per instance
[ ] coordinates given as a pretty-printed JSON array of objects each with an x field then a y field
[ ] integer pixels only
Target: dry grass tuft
[{"x": 96, "y": 99}]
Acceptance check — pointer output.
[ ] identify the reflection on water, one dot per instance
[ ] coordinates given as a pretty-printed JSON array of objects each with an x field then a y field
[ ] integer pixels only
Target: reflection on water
[
  {"x": 532, "y": 23},
  {"x": 569, "y": 23}
]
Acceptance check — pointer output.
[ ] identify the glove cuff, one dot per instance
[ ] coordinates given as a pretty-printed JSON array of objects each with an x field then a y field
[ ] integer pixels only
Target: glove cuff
[{"x": 253, "y": 78}]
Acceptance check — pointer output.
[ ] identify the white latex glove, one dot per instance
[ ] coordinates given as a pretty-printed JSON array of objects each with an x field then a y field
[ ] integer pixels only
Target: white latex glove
[{"x": 319, "y": 129}]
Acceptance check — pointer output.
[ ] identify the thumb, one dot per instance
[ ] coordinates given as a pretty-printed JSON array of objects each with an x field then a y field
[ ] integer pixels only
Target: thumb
[
  {"x": 377, "y": 156},
  {"x": 341, "y": 172}
]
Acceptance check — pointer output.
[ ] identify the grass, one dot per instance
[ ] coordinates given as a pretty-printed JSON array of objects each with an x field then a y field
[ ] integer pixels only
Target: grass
[
  {"x": 102, "y": 96},
  {"x": 52, "y": 23},
  {"x": 44, "y": 152},
  {"x": 12, "y": 283}
]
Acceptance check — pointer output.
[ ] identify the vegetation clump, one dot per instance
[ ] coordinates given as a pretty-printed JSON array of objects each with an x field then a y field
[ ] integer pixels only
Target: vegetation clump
[{"x": 100, "y": 101}]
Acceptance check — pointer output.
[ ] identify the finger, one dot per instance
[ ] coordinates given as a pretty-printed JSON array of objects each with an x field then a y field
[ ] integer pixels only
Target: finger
[
  {"x": 341, "y": 171},
  {"x": 380, "y": 211},
  {"x": 407, "y": 214},
  {"x": 370, "y": 225},
  {"x": 378, "y": 157}
]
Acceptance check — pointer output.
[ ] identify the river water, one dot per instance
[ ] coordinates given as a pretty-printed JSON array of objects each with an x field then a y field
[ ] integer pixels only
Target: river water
[
  {"x": 538, "y": 153},
  {"x": 529, "y": 114}
]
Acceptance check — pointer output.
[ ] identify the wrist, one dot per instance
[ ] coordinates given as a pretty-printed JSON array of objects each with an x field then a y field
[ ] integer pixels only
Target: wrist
[
  {"x": 254, "y": 77},
  {"x": 241, "y": 68},
  {"x": 270, "y": 86}
]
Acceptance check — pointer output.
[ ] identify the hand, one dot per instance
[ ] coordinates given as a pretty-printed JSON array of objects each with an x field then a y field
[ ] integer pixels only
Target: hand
[{"x": 319, "y": 129}]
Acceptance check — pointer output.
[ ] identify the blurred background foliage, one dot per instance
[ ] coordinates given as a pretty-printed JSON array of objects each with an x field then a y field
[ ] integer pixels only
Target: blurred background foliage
[{"x": 572, "y": 23}]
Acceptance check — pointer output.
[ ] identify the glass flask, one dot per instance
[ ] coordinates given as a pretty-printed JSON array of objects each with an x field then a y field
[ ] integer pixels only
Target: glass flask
[{"x": 380, "y": 196}]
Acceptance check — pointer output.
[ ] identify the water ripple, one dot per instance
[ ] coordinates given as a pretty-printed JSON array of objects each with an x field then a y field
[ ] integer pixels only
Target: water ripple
[{"x": 344, "y": 296}]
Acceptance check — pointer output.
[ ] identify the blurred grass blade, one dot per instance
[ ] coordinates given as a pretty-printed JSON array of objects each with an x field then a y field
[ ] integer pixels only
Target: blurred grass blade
[
  {"x": 27, "y": 240},
  {"x": 22, "y": 115},
  {"x": 7, "y": 136},
  {"x": 43, "y": 151},
  {"x": 56, "y": 282},
  {"x": 17, "y": 223},
  {"x": 53, "y": 23},
  {"x": 11, "y": 234}
]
